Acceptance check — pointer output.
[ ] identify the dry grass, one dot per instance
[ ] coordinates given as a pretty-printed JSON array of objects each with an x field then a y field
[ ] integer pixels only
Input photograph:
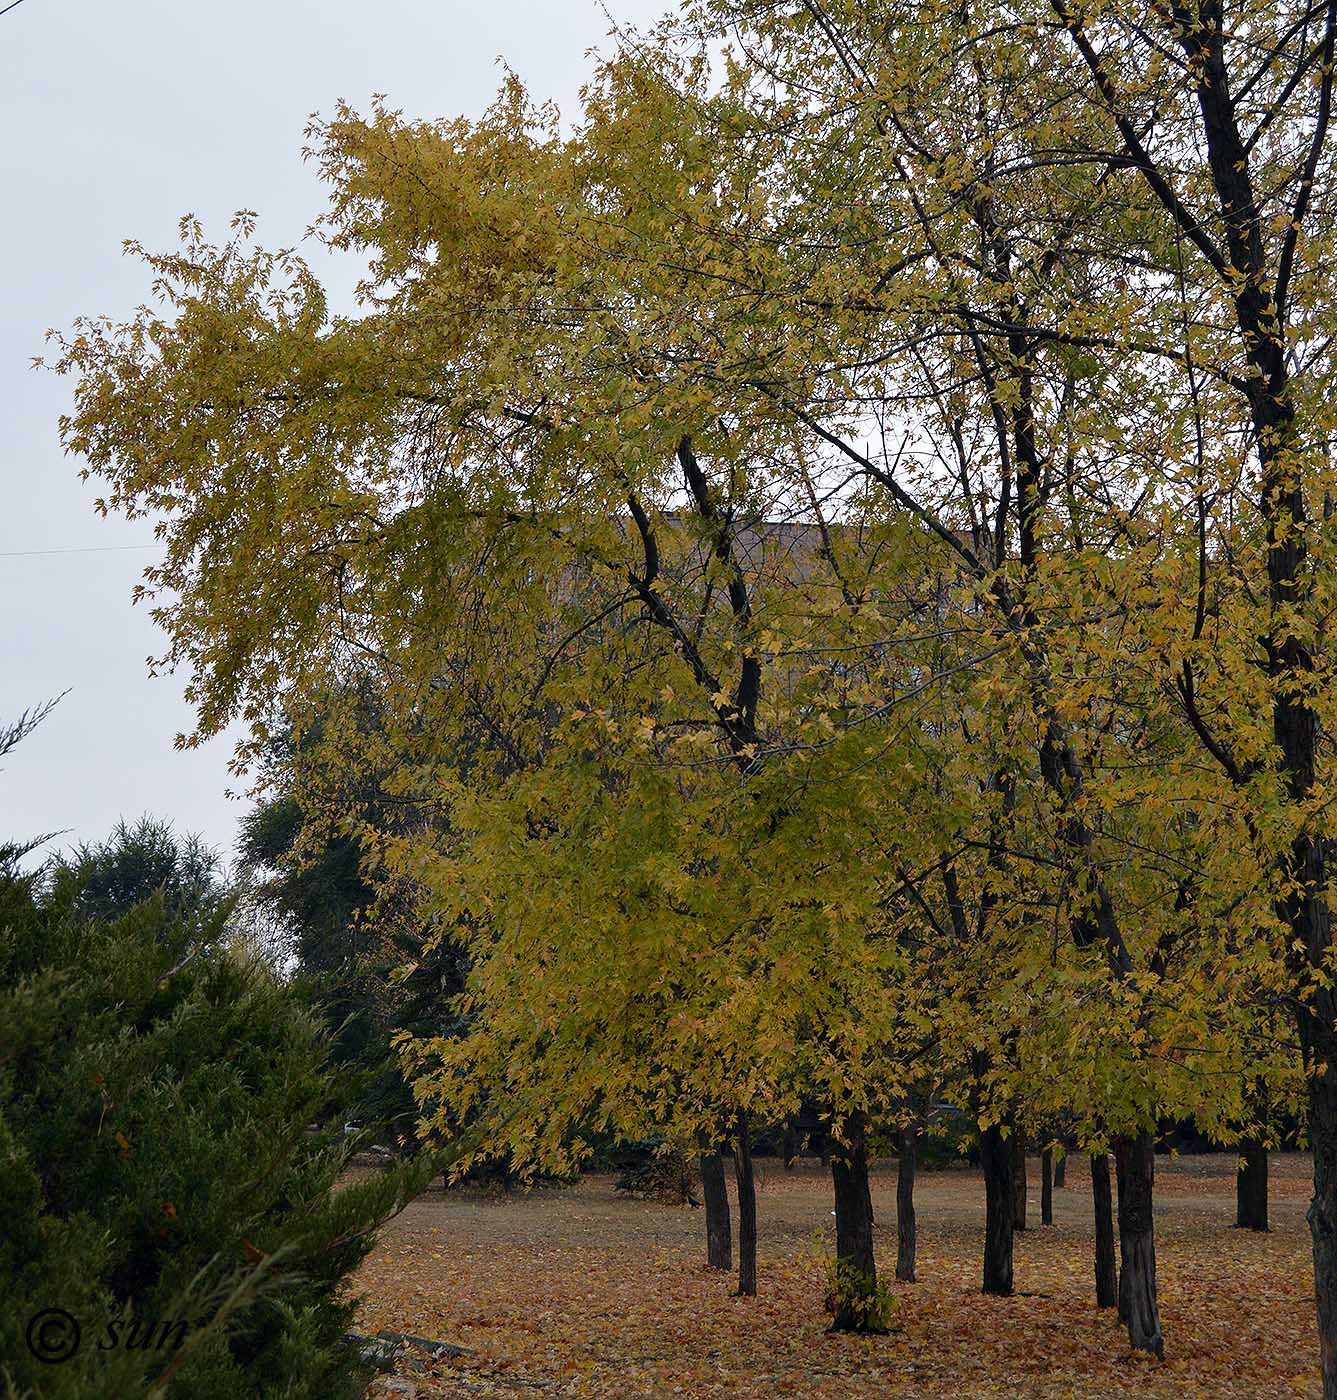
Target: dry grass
[{"x": 580, "y": 1292}]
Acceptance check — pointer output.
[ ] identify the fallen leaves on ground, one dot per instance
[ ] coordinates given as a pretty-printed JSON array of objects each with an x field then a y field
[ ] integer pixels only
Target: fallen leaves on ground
[{"x": 580, "y": 1292}]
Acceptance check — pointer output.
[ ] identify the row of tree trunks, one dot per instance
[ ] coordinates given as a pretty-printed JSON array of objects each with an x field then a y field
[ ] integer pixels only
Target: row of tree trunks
[
  {"x": 1132, "y": 1287},
  {"x": 1061, "y": 1171},
  {"x": 1136, "y": 1300},
  {"x": 1131, "y": 1284},
  {"x": 1047, "y": 1186},
  {"x": 854, "y": 1205}
]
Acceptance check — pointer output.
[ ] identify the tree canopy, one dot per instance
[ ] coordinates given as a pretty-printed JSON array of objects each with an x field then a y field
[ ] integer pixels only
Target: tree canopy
[{"x": 840, "y": 535}]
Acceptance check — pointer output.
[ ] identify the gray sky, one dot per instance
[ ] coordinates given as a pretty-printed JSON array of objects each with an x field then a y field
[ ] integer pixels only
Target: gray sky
[{"x": 119, "y": 116}]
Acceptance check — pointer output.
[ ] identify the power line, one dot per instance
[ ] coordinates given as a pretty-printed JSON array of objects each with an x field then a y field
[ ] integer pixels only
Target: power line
[
  {"x": 83, "y": 549},
  {"x": 10, "y": 6}
]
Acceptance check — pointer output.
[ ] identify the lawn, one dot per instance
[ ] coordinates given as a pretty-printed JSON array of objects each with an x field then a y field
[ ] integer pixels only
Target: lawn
[{"x": 578, "y": 1291}]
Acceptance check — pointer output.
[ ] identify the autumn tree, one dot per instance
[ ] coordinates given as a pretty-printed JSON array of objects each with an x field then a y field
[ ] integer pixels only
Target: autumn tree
[
  {"x": 568, "y": 557},
  {"x": 1067, "y": 315},
  {"x": 910, "y": 278}
]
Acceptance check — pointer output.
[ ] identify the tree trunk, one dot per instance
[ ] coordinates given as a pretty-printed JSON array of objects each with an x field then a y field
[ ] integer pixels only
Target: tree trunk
[
  {"x": 1018, "y": 1180},
  {"x": 905, "y": 1206},
  {"x": 1107, "y": 1274},
  {"x": 747, "y": 1210},
  {"x": 719, "y": 1233},
  {"x": 1320, "y": 1047},
  {"x": 854, "y": 1218},
  {"x": 1251, "y": 1187},
  {"x": 1047, "y": 1186},
  {"x": 1303, "y": 908},
  {"x": 1061, "y": 1169},
  {"x": 1135, "y": 1164},
  {"x": 996, "y": 1160}
]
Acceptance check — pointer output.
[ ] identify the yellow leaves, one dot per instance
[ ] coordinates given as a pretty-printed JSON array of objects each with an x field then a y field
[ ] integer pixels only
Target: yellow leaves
[{"x": 439, "y": 490}]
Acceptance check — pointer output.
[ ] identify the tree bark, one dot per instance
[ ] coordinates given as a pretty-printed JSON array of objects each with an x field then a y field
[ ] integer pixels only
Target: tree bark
[
  {"x": 1135, "y": 1164},
  {"x": 1018, "y": 1180},
  {"x": 999, "y": 1197},
  {"x": 854, "y": 1217},
  {"x": 1320, "y": 1044},
  {"x": 719, "y": 1232},
  {"x": 1251, "y": 1187},
  {"x": 1047, "y": 1186},
  {"x": 1107, "y": 1274},
  {"x": 905, "y": 1206},
  {"x": 747, "y": 1210}
]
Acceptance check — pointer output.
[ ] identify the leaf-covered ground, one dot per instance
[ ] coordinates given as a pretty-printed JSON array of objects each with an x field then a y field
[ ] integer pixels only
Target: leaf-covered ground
[{"x": 580, "y": 1292}]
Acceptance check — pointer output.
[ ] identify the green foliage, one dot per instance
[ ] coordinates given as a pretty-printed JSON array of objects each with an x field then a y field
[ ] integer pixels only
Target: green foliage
[
  {"x": 142, "y": 860},
  {"x": 654, "y": 1169},
  {"x": 158, "y": 1160},
  {"x": 354, "y": 938},
  {"x": 321, "y": 896},
  {"x": 857, "y": 1303},
  {"x": 320, "y": 899}
]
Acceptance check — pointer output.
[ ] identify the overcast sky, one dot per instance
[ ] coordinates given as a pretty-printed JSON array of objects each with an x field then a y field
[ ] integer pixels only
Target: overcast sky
[{"x": 119, "y": 116}]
